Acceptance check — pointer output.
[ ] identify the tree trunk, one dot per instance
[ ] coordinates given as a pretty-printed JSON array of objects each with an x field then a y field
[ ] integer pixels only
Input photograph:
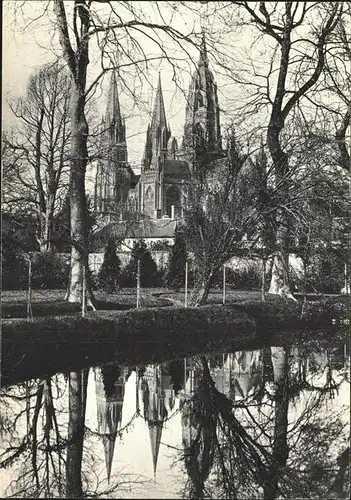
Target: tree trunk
[
  {"x": 44, "y": 240},
  {"x": 280, "y": 276},
  {"x": 76, "y": 419},
  {"x": 78, "y": 205},
  {"x": 200, "y": 293},
  {"x": 280, "y": 452},
  {"x": 280, "y": 272}
]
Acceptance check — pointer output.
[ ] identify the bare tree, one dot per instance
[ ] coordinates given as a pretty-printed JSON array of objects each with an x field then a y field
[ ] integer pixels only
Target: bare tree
[
  {"x": 215, "y": 219},
  {"x": 36, "y": 173},
  {"x": 295, "y": 38},
  {"x": 120, "y": 30}
]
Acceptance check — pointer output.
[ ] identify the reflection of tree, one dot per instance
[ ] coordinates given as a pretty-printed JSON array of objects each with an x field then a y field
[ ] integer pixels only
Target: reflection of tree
[
  {"x": 199, "y": 420},
  {"x": 280, "y": 449},
  {"x": 40, "y": 450},
  {"x": 218, "y": 437},
  {"x": 78, "y": 382},
  {"x": 35, "y": 421},
  {"x": 242, "y": 449}
]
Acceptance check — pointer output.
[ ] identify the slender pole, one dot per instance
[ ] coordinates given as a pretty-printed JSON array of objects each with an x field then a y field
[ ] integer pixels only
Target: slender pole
[
  {"x": 83, "y": 292},
  {"x": 347, "y": 284},
  {"x": 29, "y": 299},
  {"x": 186, "y": 285},
  {"x": 138, "y": 285},
  {"x": 263, "y": 280},
  {"x": 223, "y": 284},
  {"x": 184, "y": 374}
]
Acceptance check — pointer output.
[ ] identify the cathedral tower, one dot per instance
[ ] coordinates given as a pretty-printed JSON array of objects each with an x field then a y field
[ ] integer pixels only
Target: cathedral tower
[
  {"x": 113, "y": 172},
  {"x": 158, "y": 133},
  {"x": 202, "y": 125}
]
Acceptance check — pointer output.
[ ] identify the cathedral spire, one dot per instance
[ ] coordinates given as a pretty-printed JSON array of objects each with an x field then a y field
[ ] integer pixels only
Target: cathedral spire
[
  {"x": 159, "y": 113},
  {"x": 158, "y": 132},
  {"x": 202, "y": 130},
  {"x": 114, "y": 120},
  {"x": 113, "y": 109},
  {"x": 203, "y": 60}
]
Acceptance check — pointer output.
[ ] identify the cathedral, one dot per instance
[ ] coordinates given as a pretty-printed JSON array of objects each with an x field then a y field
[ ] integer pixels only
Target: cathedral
[{"x": 160, "y": 190}]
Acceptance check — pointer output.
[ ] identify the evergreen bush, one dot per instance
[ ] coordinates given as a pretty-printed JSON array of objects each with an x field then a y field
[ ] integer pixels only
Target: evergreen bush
[
  {"x": 175, "y": 274},
  {"x": 149, "y": 276},
  {"x": 109, "y": 274}
]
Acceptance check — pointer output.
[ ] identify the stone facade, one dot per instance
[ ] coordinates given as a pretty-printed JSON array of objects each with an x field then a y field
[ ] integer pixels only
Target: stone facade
[{"x": 165, "y": 172}]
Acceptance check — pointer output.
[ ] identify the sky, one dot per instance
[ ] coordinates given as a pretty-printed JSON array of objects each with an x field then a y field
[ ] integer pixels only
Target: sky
[
  {"x": 27, "y": 49},
  {"x": 29, "y": 45}
]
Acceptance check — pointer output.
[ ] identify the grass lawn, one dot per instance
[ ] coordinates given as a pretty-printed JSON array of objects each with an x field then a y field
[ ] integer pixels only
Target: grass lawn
[{"x": 52, "y": 303}]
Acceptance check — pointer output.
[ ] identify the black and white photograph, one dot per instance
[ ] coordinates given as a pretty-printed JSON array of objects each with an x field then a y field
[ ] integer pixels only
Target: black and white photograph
[{"x": 175, "y": 249}]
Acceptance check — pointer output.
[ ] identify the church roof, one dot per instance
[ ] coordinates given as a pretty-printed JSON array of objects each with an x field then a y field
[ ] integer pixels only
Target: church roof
[
  {"x": 156, "y": 228},
  {"x": 134, "y": 180},
  {"x": 177, "y": 169}
]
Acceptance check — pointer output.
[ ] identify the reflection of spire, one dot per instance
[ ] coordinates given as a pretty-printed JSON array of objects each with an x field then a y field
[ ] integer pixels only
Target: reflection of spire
[
  {"x": 155, "y": 432},
  {"x": 109, "y": 389},
  {"x": 152, "y": 386}
]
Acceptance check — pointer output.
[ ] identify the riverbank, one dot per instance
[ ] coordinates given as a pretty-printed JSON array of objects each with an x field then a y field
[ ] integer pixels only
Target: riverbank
[{"x": 61, "y": 343}]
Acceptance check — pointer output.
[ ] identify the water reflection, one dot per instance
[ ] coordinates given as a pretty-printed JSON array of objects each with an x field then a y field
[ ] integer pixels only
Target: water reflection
[{"x": 247, "y": 424}]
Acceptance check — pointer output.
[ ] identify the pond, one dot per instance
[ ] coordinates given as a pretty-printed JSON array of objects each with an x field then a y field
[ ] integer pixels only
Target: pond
[{"x": 263, "y": 423}]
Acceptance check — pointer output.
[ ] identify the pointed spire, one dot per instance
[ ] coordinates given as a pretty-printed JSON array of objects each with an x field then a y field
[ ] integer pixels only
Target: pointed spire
[
  {"x": 158, "y": 132},
  {"x": 203, "y": 61},
  {"x": 113, "y": 109},
  {"x": 159, "y": 113}
]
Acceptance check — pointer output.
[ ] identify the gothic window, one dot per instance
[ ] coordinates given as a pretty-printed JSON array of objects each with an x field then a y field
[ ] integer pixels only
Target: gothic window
[
  {"x": 149, "y": 195},
  {"x": 199, "y": 138},
  {"x": 199, "y": 101},
  {"x": 120, "y": 155},
  {"x": 172, "y": 198}
]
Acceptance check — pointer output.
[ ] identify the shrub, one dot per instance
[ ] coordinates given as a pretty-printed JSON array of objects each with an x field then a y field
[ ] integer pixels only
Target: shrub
[
  {"x": 49, "y": 270},
  {"x": 325, "y": 274},
  {"x": 239, "y": 279},
  {"x": 174, "y": 277},
  {"x": 14, "y": 268},
  {"x": 149, "y": 275},
  {"x": 109, "y": 274}
]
